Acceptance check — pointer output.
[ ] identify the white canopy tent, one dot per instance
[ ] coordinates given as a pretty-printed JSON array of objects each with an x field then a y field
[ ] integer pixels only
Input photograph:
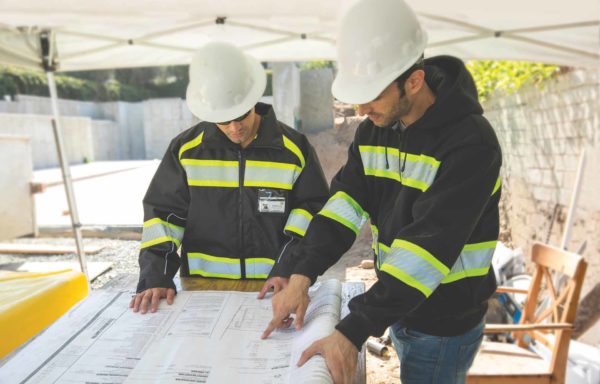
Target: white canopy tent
[
  {"x": 66, "y": 35},
  {"x": 90, "y": 34}
]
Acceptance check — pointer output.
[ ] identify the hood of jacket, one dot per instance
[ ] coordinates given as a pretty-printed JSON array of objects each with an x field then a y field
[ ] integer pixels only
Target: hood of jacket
[{"x": 456, "y": 94}]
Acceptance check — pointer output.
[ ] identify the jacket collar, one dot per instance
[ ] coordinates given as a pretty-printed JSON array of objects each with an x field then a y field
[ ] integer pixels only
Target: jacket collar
[{"x": 269, "y": 134}]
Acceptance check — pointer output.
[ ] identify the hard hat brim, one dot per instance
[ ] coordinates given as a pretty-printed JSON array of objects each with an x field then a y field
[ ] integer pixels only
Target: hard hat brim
[
  {"x": 205, "y": 113},
  {"x": 349, "y": 89}
]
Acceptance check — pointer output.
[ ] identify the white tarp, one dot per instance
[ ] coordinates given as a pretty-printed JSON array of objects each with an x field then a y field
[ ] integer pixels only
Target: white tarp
[{"x": 94, "y": 34}]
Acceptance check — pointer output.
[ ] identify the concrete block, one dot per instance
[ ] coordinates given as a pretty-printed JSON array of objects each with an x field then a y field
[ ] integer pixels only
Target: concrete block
[
  {"x": 316, "y": 101},
  {"x": 286, "y": 93},
  {"x": 17, "y": 216}
]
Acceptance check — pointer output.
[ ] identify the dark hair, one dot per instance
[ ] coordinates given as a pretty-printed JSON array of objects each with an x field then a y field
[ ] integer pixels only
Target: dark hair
[{"x": 400, "y": 80}]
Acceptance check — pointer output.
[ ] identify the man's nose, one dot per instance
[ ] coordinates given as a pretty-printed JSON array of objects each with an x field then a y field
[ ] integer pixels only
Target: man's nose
[
  {"x": 363, "y": 109},
  {"x": 235, "y": 124}
]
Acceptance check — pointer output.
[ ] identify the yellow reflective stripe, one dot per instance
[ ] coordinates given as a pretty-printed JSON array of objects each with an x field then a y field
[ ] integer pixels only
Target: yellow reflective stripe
[
  {"x": 212, "y": 183},
  {"x": 159, "y": 240},
  {"x": 395, "y": 152},
  {"x": 213, "y": 274},
  {"x": 466, "y": 273},
  {"x": 217, "y": 259},
  {"x": 157, "y": 220},
  {"x": 289, "y": 144},
  {"x": 423, "y": 253},
  {"x": 478, "y": 246},
  {"x": 211, "y": 163},
  {"x": 382, "y": 173},
  {"x": 293, "y": 228},
  {"x": 302, "y": 212},
  {"x": 406, "y": 279},
  {"x": 211, "y": 173},
  {"x": 497, "y": 185},
  {"x": 260, "y": 260},
  {"x": 267, "y": 184},
  {"x": 350, "y": 200},
  {"x": 257, "y": 275},
  {"x": 421, "y": 158},
  {"x": 415, "y": 184},
  {"x": 191, "y": 144},
  {"x": 294, "y": 220},
  {"x": 377, "y": 149},
  {"x": 340, "y": 219}
]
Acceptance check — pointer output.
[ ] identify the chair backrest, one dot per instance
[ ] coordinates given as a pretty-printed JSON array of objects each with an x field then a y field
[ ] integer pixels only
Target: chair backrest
[{"x": 553, "y": 297}]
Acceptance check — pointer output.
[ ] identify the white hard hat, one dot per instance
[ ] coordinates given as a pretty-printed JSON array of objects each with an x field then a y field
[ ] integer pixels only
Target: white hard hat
[
  {"x": 224, "y": 83},
  {"x": 378, "y": 40}
]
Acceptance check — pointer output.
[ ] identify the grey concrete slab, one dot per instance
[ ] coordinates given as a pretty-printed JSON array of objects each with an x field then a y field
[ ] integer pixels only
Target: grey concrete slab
[{"x": 111, "y": 199}]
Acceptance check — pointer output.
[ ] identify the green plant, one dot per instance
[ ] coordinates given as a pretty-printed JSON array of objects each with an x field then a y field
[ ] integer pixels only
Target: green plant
[{"x": 508, "y": 76}]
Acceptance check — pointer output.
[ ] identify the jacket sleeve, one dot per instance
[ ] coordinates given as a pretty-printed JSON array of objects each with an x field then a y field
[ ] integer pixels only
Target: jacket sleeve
[
  {"x": 423, "y": 253},
  {"x": 308, "y": 196},
  {"x": 334, "y": 229},
  {"x": 165, "y": 211}
]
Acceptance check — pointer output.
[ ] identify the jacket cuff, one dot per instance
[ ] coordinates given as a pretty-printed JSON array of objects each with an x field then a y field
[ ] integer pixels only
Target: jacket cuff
[
  {"x": 355, "y": 329},
  {"x": 160, "y": 282},
  {"x": 306, "y": 270}
]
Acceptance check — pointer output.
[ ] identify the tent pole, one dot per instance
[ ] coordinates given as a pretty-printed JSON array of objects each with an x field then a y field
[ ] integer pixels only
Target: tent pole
[
  {"x": 573, "y": 205},
  {"x": 66, "y": 173}
]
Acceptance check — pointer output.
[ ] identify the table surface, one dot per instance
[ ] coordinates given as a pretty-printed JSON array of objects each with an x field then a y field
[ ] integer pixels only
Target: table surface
[{"x": 127, "y": 282}]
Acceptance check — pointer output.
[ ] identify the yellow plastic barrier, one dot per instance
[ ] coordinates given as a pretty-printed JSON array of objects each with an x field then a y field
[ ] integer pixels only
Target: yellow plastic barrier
[{"x": 29, "y": 302}]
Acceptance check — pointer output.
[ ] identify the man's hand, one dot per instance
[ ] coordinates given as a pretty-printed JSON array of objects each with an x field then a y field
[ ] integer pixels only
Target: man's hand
[
  {"x": 151, "y": 296},
  {"x": 275, "y": 282},
  {"x": 339, "y": 353},
  {"x": 292, "y": 299}
]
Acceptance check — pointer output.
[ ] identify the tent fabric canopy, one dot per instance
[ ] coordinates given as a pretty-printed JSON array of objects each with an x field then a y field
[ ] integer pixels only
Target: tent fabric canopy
[{"x": 90, "y": 34}]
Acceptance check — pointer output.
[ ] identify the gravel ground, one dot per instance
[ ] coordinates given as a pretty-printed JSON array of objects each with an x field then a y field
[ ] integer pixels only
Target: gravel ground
[{"x": 122, "y": 254}]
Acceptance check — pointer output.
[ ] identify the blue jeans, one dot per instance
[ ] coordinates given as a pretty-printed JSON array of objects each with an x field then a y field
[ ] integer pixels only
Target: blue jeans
[{"x": 427, "y": 359}]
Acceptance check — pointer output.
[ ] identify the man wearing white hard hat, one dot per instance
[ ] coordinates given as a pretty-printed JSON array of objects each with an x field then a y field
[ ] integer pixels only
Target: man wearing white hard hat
[
  {"x": 424, "y": 168},
  {"x": 235, "y": 192}
]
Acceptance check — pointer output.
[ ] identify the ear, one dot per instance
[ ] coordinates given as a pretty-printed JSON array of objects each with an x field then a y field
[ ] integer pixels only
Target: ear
[{"x": 415, "y": 82}]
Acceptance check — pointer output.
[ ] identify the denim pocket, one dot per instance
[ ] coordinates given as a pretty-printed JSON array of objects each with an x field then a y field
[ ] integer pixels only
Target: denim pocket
[
  {"x": 416, "y": 335},
  {"x": 466, "y": 356}
]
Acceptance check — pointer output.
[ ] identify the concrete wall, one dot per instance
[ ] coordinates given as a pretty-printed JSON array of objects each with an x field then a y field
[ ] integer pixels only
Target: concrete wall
[
  {"x": 163, "y": 120},
  {"x": 40, "y": 105},
  {"x": 128, "y": 117},
  {"x": 17, "y": 216},
  {"x": 542, "y": 132},
  {"x": 77, "y": 137},
  {"x": 316, "y": 102},
  {"x": 105, "y": 140}
]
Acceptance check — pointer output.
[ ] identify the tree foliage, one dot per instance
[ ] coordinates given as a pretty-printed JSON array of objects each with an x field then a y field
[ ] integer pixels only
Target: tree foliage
[{"x": 508, "y": 76}]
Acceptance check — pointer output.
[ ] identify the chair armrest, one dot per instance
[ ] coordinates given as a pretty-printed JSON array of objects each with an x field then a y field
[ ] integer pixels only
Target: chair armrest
[
  {"x": 500, "y": 328},
  {"x": 505, "y": 289}
]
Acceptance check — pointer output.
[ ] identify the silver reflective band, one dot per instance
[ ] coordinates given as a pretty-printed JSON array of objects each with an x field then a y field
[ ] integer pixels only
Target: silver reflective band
[
  {"x": 258, "y": 268},
  {"x": 228, "y": 268},
  {"x": 413, "y": 265},
  {"x": 211, "y": 173},
  {"x": 214, "y": 266},
  {"x": 298, "y": 221},
  {"x": 419, "y": 170},
  {"x": 158, "y": 231},
  {"x": 342, "y": 208},
  {"x": 474, "y": 260},
  {"x": 269, "y": 174}
]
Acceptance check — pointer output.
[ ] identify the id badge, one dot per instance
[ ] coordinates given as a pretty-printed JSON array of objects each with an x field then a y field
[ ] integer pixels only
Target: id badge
[{"x": 271, "y": 201}]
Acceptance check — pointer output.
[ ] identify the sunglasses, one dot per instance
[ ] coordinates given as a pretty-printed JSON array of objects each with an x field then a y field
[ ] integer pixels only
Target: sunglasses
[{"x": 236, "y": 120}]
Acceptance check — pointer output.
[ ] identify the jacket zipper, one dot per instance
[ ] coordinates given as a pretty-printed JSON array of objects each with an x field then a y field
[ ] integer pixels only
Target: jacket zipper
[{"x": 242, "y": 169}]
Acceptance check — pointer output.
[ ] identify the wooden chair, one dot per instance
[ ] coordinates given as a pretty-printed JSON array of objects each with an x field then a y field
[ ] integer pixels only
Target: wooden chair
[{"x": 514, "y": 363}]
